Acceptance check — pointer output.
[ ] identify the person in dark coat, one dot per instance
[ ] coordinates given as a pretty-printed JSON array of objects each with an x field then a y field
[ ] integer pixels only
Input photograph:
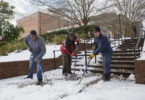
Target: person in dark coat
[
  {"x": 102, "y": 45},
  {"x": 68, "y": 49}
]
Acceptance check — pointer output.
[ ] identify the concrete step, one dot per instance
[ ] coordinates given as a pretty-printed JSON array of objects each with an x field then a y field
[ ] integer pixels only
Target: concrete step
[
  {"x": 131, "y": 40},
  {"x": 132, "y": 43},
  {"x": 119, "y": 56},
  {"x": 118, "y": 71},
  {"x": 123, "y": 57},
  {"x": 114, "y": 54},
  {"x": 113, "y": 66},
  {"x": 121, "y": 62},
  {"x": 100, "y": 70},
  {"x": 125, "y": 47},
  {"x": 125, "y": 54},
  {"x": 119, "y": 50}
]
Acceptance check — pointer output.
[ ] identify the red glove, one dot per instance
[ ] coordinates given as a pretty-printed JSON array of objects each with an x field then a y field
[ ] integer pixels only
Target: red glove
[{"x": 74, "y": 54}]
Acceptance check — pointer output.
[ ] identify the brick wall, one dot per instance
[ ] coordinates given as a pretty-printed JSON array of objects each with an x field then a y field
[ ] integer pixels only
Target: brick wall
[
  {"x": 140, "y": 71},
  {"x": 40, "y": 22},
  {"x": 50, "y": 22},
  {"x": 18, "y": 68},
  {"x": 28, "y": 23}
]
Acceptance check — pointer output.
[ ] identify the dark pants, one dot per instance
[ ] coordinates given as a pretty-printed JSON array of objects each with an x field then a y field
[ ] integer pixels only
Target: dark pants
[
  {"x": 66, "y": 63},
  {"x": 106, "y": 64}
]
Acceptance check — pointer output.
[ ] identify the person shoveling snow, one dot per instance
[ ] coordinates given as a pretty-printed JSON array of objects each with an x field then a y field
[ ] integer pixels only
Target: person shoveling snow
[{"x": 37, "y": 48}]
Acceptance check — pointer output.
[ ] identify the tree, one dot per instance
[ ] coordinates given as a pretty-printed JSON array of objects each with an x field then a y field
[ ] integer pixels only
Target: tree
[
  {"x": 77, "y": 11},
  {"x": 6, "y": 13},
  {"x": 133, "y": 10},
  {"x": 7, "y": 30}
]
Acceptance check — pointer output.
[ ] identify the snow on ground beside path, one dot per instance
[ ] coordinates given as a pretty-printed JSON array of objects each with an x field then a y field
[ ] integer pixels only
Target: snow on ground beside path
[
  {"x": 25, "y": 55},
  {"x": 69, "y": 90}
]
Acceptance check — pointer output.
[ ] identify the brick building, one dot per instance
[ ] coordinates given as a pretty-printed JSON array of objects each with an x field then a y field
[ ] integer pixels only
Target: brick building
[{"x": 41, "y": 22}]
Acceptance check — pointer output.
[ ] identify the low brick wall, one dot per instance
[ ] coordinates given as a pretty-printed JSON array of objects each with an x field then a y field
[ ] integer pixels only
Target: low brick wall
[
  {"x": 140, "y": 71},
  {"x": 18, "y": 68}
]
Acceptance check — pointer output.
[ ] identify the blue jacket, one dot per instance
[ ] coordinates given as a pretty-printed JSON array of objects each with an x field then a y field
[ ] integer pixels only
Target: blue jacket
[{"x": 102, "y": 45}]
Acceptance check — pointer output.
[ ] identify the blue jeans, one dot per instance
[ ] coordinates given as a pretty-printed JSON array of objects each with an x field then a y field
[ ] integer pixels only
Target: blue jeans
[
  {"x": 31, "y": 67},
  {"x": 106, "y": 62}
]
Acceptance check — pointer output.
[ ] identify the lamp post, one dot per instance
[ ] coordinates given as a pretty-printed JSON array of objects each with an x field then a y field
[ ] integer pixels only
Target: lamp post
[
  {"x": 120, "y": 26},
  {"x": 59, "y": 22},
  {"x": 1, "y": 37}
]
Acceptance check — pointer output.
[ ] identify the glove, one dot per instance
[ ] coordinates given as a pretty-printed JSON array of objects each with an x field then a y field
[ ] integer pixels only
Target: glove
[
  {"x": 74, "y": 54},
  {"x": 94, "y": 48},
  {"x": 92, "y": 56}
]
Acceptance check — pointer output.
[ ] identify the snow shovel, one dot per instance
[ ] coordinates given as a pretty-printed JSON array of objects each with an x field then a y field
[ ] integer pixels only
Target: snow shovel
[
  {"x": 75, "y": 58},
  {"x": 85, "y": 71}
]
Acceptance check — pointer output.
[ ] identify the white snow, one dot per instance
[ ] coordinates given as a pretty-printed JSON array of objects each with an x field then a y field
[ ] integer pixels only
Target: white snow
[
  {"x": 18, "y": 88},
  {"x": 25, "y": 55},
  {"x": 116, "y": 89}
]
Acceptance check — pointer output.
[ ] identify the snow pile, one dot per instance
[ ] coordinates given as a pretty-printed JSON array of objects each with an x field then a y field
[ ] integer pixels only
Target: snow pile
[{"x": 25, "y": 55}]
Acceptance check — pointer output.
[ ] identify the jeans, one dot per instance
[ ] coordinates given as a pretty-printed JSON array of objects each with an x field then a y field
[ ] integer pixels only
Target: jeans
[
  {"x": 31, "y": 67},
  {"x": 106, "y": 62}
]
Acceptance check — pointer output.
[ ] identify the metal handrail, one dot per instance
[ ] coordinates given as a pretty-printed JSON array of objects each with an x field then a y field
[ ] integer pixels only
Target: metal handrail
[
  {"x": 138, "y": 44},
  {"x": 55, "y": 58},
  {"x": 85, "y": 51}
]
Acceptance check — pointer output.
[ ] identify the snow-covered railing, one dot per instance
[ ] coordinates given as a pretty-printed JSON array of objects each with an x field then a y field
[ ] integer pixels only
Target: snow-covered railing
[
  {"x": 55, "y": 57},
  {"x": 138, "y": 44}
]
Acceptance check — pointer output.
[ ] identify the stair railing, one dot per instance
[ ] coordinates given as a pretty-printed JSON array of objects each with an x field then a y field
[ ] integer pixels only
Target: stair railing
[
  {"x": 55, "y": 57},
  {"x": 137, "y": 47}
]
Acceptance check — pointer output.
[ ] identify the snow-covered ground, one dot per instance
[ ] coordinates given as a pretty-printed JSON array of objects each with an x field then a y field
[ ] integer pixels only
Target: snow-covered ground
[
  {"x": 18, "y": 88},
  {"x": 25, "y": 54},
  {"x": 116, "y": 89}
]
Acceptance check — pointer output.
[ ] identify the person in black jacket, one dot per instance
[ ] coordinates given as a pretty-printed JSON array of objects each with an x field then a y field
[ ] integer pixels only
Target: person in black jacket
[{"x": 102, "y": 45}]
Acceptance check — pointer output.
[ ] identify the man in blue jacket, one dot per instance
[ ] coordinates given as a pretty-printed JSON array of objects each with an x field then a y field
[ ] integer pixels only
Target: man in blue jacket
[
  {"x": 102, "y": 45},
  {"x": 36, "y": 46}
]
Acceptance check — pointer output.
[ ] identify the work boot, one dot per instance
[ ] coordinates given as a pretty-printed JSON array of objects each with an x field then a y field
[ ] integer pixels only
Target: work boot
[
  {"x": 65, "y": 74},
  {"x": 106, "y": 77},
  {"x": 39, "y": 82},
  {"x": 28, "y": 77},
  {"x": 70, "y": 72}
]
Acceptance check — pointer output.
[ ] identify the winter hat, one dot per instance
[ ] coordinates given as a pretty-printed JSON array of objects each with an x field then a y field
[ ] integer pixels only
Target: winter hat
[
  {"x": 33, "y": 32},
  {"x": 97, "y": 29}
]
